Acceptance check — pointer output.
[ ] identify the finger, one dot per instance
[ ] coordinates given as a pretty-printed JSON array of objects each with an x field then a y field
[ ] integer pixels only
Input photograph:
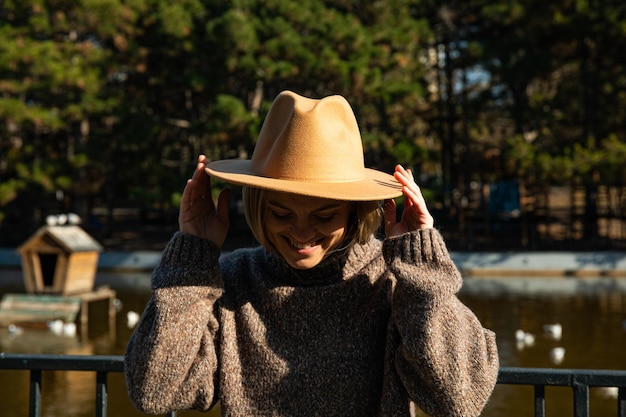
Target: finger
[
  {"x": 223, "y": 206},
  {"x": 186, "y": 192},
  {"x": 417, "y": 203},
  {"x": 185, "y": 205},
  {"x": 198, "y": 173},
  {"x": 200, "y": 187},
  {"x": 389, "y": 214},
  {"x": 409, "y": 187},
  {"x": 403, "y": 176},
  {"x": 413, "y": 194}
]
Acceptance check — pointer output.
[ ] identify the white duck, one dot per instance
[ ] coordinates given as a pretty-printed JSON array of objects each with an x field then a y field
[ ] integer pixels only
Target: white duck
[
  {"x": 557, "y": 355},
  {"x": 553, "y": 331}
]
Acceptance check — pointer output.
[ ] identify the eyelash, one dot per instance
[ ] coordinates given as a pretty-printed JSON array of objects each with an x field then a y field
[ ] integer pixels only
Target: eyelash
[
  {"x": 280, "y": 216},
  {"x": 325, "y": 219}
]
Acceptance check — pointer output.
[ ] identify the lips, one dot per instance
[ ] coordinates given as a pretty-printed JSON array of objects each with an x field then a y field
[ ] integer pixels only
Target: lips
[{"x": 306, "y": 245}]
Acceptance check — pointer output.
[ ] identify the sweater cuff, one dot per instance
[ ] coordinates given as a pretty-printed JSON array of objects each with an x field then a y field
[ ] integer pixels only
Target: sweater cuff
[
  {"x": 187, "y": 260},
  {"x": 425, "y": 246},
  {"x": 422, "y": 265}
]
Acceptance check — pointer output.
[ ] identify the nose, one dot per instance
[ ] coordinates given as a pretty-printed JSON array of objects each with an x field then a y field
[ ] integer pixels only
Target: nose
[{"x": 302, "y": 231}]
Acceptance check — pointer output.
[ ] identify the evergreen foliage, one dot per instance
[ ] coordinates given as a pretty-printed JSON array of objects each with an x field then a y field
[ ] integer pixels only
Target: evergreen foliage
[{"x": 107, "y": 103}]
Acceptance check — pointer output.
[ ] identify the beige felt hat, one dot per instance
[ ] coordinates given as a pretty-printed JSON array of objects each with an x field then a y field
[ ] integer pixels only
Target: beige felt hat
[{"x": 309, "y": 147}]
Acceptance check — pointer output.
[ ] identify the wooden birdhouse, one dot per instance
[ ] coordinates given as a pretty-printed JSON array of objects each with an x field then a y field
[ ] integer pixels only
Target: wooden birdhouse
[{"x": 60, "y": 260}]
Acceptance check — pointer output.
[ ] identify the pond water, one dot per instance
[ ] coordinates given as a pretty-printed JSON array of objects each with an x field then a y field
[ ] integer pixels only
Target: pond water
[
  {"x": 593, "y": 337},
  {"x": 593, "y": 320}
]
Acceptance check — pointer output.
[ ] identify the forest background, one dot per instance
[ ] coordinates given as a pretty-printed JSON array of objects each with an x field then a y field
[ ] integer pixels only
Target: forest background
[{"x": 511, "y": 113}]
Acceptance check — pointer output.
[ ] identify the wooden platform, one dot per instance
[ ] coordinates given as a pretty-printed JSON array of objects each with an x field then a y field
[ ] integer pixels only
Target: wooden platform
[
  {"x": 31, "y": 308},
  {"x": 36, "y": 310}
]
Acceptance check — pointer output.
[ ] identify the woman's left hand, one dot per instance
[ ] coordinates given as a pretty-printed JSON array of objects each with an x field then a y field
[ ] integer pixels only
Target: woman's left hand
[{"x": 415, "y": 215}]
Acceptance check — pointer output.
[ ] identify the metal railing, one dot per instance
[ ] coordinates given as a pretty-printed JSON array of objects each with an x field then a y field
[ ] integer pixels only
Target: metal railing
[
  {"x": 36, "y": 364},
  {"x": 580, "y": 380}
]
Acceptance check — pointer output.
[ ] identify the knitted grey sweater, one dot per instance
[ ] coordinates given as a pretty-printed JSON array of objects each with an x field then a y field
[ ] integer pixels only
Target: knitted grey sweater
[{"x": 366, "y": 333}]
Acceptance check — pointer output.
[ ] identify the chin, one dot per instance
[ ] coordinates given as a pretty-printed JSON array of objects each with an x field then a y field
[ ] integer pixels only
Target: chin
[{"x": 304, "y": 264}]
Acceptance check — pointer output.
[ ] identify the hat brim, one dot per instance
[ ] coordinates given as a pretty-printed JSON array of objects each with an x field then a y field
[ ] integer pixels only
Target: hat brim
[{"x": 375, "y": 185}]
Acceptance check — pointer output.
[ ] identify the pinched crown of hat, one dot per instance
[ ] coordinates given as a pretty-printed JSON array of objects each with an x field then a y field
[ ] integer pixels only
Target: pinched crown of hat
[{"x": 309, "y": 147}]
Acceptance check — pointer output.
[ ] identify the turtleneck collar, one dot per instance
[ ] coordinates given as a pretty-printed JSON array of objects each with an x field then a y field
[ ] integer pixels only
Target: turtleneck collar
[{"x": 337, "y": 267}]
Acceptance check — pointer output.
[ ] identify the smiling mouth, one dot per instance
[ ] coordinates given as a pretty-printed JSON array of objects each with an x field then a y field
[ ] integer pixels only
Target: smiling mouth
[{"x": 307, "y": 245}]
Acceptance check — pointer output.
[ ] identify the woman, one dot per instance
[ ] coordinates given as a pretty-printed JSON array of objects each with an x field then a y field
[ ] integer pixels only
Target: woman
[{"x": 322, "y": 319}]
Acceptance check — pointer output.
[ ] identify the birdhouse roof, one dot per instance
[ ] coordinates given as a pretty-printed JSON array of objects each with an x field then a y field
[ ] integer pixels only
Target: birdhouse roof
[{"x": 69, "y": 238}]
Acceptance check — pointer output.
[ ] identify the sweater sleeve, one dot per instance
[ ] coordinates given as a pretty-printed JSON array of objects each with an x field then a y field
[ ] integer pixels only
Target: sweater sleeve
[
  {"x": 446, "y": 360},
  {"x": 171, "y": 358}
]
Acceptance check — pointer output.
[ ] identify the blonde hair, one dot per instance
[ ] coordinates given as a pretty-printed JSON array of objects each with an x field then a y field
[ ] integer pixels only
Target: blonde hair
[{"x": 362, "y": 225}]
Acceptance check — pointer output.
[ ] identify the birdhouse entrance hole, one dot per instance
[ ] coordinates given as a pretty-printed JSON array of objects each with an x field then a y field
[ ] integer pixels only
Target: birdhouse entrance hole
[{"x": 48, "y": 262}]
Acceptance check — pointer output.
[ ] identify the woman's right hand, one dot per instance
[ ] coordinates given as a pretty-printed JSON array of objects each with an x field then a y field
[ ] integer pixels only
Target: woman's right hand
[{"x": 198, "y": 214}]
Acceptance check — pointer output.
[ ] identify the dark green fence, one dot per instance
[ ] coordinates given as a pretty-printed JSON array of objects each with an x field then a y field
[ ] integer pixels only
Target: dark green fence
[{"x": 580, "y": 380}]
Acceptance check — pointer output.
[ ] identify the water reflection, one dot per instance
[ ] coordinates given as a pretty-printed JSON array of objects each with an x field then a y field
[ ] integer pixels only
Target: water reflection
[
  {"x": 593, "y": 336},
  {"x": 71, "y": 393},
  {"x": 43, "y": 341}
]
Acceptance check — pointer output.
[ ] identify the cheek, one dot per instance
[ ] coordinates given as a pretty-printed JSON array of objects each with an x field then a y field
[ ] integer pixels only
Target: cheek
[
  {"x": 337, "y": 229},
  {"x": 269, "y": 231},
  {"x": 272, "y": 231},
  {"x": 273, "y": 226}
]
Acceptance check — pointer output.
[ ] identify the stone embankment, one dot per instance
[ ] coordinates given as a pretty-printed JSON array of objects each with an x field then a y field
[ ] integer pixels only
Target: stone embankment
[{"x": 483, "y": 271}]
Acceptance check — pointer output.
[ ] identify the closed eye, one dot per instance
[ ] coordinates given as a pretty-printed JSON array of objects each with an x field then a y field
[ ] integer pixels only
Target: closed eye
[
  {"x": 279, "y": 215},
  {"x": 324, "y": 217}
]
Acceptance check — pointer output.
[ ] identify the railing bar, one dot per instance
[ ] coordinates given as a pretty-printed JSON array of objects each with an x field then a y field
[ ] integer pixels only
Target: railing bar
[
  {"x": 559, "y": 377},
  {"x": 34, "y": 408},
  {"x": 580, "y": 380},
  {"x": 534, "y": 376},
  {"x": 62, "y": 362},
  {"x": 540, "y": 401},
  {"x": 581, "y": 399},
  {"x": 101, "y": 394}
]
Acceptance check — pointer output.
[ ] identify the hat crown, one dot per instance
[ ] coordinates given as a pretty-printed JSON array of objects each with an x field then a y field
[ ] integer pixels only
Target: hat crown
[
  {"x": 309, "y": 147},
  {"x": 309, "y": 140}
]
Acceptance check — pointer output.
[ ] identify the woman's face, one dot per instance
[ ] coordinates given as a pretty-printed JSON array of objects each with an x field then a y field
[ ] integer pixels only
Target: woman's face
[{"x": 305, "y": 229}]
